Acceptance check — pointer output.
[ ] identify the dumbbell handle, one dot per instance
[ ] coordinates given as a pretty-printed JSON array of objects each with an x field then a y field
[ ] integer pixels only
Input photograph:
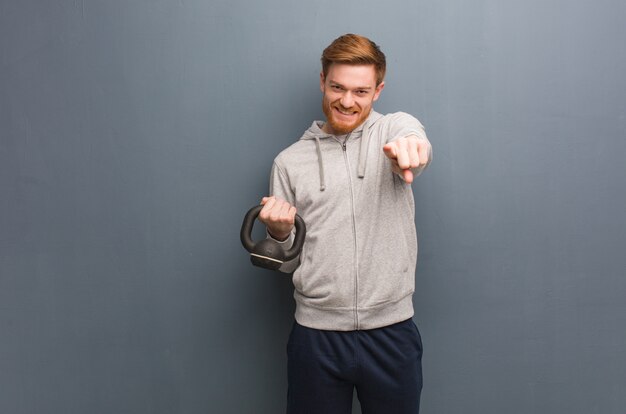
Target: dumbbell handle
[{"x": 246, "y": 233}]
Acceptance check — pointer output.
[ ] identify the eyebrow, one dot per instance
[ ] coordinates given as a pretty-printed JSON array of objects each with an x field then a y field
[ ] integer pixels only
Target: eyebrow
[{"x": 367, "y": 88}]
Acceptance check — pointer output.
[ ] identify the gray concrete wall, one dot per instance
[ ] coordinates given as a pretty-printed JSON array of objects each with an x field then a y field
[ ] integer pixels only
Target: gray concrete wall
[{"x": 134, "y": 135}]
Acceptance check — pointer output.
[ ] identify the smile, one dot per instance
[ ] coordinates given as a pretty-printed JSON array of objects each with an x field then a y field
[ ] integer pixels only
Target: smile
[{"x": 349, "y": 113}]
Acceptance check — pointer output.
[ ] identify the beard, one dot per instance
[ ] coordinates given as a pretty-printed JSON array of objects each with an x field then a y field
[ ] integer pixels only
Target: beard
[{"x": 338, "y": 126}]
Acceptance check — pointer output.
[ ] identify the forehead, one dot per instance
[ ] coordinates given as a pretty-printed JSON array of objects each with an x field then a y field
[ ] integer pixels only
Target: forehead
[{"x": 352, "y": 75}]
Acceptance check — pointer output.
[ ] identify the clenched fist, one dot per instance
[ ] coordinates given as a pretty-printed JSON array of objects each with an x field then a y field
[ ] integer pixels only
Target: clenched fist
[
  {"x": 278, "y": 216},
  {"x": 408, "y": 155}
]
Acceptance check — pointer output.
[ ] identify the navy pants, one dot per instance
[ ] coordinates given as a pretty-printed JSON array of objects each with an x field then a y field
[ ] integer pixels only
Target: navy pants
[{"x": 384, "y": 365}]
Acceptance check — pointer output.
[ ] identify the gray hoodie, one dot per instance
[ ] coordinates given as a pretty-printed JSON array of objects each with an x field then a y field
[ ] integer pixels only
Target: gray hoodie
[{"x": 357, "y": 267}]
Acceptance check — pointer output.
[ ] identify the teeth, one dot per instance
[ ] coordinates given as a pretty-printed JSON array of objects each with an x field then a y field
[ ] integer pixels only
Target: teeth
[{"x": 346, "y": 113}]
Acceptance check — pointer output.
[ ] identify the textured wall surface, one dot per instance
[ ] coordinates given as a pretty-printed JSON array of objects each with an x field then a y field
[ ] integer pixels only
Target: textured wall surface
[{"x": 135, "y": 135}]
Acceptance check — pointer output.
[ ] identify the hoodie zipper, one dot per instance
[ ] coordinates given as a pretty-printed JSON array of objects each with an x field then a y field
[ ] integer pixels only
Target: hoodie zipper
[{"x": 356, "y": 250}]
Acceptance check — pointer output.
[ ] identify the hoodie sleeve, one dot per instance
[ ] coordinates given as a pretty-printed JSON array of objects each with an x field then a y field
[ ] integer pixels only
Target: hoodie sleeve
[
  {"x": 279, "y": 187},
  {"x": 402, "y": 125}
]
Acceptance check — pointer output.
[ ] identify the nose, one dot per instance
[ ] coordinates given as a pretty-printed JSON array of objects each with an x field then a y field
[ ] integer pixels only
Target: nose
[{"x": 347, "y": 100}]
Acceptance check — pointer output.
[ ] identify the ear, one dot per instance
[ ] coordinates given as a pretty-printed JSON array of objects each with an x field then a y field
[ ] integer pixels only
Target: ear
[
  {"x": 322, "y": 81},
  {"x": 378, "y": 90}
]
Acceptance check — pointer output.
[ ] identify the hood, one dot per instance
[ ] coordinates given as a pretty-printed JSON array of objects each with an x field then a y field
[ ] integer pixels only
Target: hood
[{"x": 316, "y": 133}]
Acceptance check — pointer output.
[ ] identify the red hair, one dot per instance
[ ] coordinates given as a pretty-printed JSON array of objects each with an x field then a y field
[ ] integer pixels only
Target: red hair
[{"x": 352, "y": 49}]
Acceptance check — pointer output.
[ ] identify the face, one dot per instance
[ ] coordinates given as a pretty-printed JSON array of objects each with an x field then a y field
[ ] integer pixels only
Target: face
[{"x": 349, "y": 93}]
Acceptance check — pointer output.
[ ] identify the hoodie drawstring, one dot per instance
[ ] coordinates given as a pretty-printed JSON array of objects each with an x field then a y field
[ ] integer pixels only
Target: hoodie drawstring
[
  {"x": 361, "y": 163},
  {"x": 363, "y": 152},
  {"x": 320, "y": 163},
  {"x": 316, "y": 132}
]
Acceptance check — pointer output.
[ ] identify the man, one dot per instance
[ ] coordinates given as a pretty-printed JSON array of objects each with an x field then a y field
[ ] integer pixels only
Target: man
[{"x": 350, "y": 179}]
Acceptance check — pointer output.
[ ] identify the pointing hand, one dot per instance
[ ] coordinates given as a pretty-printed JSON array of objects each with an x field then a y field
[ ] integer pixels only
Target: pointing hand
[{"x": 408, "y": 155}]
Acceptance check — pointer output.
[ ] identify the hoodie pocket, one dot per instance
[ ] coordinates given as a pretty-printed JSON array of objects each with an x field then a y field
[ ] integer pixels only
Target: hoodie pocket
[
  {"x": 325, "y": 277},
  {"x": 387, "y": 270}
]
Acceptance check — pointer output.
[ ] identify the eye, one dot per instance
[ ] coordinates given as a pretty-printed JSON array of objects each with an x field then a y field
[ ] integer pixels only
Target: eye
[
  {"x": 336, "y": 87},
  {"x": 361, "y": 92}
]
